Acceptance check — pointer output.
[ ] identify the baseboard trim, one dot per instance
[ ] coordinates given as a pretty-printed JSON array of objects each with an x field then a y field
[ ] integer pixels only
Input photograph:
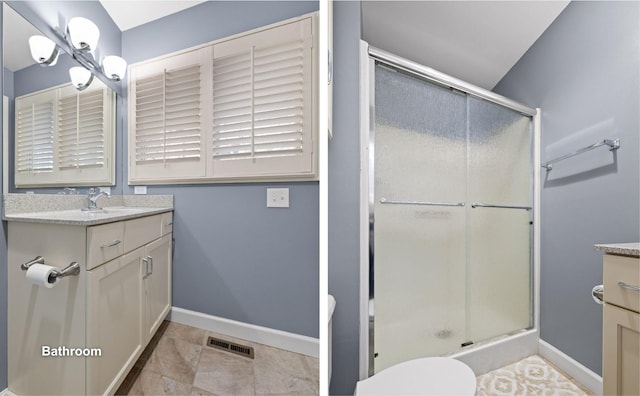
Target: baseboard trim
[
  {"x": 580, "y": 373},
  {"x": 263, "y": 335},
  {"x": 7, "y": 392}
]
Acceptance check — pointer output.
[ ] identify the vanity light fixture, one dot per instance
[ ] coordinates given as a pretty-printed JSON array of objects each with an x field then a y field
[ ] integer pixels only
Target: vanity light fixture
[
  {"x": 81, "y": 77},
  {"x": 81, "y": 40},
  {"x": 43, "y": 50}
]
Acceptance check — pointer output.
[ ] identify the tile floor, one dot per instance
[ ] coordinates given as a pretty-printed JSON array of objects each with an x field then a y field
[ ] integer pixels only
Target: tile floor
[
  {"x": 530, "y": 376},
  {"x": 178, "y": 362}
]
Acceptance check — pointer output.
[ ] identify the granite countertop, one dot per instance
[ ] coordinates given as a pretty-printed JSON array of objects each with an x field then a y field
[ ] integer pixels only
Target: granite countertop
[
  {"x": 66, "y": 210},
  {"x": 624, "y": 249},
  {"x": 79, "y": 217}
]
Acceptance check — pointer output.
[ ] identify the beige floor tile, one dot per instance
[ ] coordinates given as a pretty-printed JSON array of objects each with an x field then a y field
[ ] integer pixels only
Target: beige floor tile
[
  {"x": 185, "y": 333},
  {"x": 281, "y": 372},
  {"x": 223, "y": 373},
  {"x": 199, "y": 392},
  {"x": 175, "y": 359},
  {"x": 150, "y": 383}
]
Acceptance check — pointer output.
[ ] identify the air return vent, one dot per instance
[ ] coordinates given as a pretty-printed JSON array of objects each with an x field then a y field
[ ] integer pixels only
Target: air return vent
[{"x": 238, "y": 349}]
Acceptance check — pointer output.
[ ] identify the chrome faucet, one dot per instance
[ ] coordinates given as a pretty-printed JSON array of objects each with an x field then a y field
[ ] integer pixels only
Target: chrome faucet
[{"x": 94, "y": 194}]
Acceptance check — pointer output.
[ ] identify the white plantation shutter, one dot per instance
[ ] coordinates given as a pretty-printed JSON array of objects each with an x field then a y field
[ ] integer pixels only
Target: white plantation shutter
[
  {"x": 34, "y": 152},
  {"x": 167, "y": 138},
  {"x": 35, "y": 138},
  {"x": 64, "y": 137},
  {"x": 81, "y": 130},
  {"x": 262, "y": 103},
  {"x": 239, "y": 109}
]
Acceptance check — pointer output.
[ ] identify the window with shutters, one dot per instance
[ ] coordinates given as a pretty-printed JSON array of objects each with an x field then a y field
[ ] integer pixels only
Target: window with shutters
[
  {"x": 242, "y": 109},
  {"x": 34, "y": 138},
  {"x": 167, "y": 122},
  {"x": 65, "y": 137}
]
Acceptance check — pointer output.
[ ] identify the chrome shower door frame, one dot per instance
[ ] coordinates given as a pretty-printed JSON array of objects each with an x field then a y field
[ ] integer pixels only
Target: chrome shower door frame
[{"x": 510, "y": 349}]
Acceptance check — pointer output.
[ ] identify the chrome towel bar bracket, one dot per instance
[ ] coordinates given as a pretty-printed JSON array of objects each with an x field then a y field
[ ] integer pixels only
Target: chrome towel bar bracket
[{"x": 613, "y": 144}]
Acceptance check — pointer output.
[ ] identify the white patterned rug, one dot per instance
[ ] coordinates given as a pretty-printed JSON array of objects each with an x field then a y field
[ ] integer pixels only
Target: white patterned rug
[{"x": 530, "y": 376}]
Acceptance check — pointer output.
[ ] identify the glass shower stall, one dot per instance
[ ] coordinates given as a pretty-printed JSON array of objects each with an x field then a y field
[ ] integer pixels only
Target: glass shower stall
[{"x": 450, "y": 216}]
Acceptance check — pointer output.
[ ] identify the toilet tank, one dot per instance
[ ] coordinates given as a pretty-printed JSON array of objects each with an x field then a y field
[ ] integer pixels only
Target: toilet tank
[{"x": 331, "y": 306}]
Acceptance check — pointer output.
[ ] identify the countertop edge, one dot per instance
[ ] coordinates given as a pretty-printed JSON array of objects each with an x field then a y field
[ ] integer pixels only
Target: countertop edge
[
  {"x": 20, "y": 217},
  {"x": 623, "y": 249}
]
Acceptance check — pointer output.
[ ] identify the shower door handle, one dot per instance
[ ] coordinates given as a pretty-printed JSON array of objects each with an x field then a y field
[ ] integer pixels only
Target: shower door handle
[
  {"x": 483, "y": 205},
  {"x": 392, "y": 202}
]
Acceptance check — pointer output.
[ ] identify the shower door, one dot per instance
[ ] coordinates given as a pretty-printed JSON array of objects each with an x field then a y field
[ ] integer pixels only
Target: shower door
[{"x": 451, "y": 237}]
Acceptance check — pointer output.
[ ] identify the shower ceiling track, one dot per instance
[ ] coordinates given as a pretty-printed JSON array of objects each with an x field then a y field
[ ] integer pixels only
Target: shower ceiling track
[{"x": 449, "y": 81}]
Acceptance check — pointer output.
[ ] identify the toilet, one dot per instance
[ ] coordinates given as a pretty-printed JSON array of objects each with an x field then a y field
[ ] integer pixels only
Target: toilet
[{"x": 424, "y": 376}]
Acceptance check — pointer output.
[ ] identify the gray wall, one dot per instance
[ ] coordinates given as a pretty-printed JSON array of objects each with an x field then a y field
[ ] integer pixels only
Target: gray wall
[
  {"x": 583, "y": 73},
  {"x": 344, "y": 181},
  {"x": 233, "y": 257}
]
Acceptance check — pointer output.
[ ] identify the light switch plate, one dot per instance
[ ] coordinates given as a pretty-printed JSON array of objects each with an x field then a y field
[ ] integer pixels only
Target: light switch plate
[
  {"x": 277, "y": 197},
  {"x": 140, "y": 190}
]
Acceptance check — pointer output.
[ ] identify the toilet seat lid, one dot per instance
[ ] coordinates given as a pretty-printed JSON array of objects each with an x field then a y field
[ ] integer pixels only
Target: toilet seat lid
[{"x": 425, "y": 376}]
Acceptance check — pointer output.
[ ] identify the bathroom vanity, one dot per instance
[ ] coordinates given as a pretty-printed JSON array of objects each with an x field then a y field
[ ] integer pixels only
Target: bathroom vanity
[
  {"x": 109, "y": 310},
  {"x": 621, "y": 319}
]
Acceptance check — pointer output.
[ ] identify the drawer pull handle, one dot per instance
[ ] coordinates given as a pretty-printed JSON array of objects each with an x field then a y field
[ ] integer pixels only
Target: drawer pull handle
[
  {"x": 628, "y": 287},
  {"x": 112, "y": 244},
  {"x": 148, "y": 266}
]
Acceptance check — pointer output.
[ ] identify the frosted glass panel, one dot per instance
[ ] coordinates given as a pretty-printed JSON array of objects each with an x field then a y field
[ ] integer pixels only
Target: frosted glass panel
[
  {"x": 499, "y": 287},
  {"x": 499, "y": 155},
  {"x": 499, "y": 239},
  {"x": 420, "y": 140},
  {"x": 420, "y": 155}
]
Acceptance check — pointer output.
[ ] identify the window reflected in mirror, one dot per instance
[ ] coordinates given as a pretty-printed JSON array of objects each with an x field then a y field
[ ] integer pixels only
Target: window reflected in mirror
[{"x": 58, "y": 136}]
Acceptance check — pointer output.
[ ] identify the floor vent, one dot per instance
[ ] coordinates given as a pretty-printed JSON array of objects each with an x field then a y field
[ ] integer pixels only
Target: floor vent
[{"x": 238, "y": 349}]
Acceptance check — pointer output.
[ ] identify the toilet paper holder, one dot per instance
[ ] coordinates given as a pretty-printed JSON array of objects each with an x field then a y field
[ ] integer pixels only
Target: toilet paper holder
[{"x": 71, "y": 269}]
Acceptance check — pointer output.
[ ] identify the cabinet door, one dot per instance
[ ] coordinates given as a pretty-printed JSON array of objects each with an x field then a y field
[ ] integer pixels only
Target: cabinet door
[
  {"x": 157, "y": 284},
  {"x": 621, "y": 347},
  {"x": 114, "y": 313}
]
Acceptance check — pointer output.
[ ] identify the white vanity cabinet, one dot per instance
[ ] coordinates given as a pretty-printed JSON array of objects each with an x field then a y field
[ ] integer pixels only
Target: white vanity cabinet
[
  {"x": 621, "y": 319},
  {"x": 116, "y": 303}
]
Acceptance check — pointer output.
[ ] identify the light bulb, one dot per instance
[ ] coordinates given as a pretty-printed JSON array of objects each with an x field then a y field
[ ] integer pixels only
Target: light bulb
[
  {"x": 114, "y": 67},
  {"x": 43, "y": 50},
  {"x": 81, "y": 78},
  {"x": 83, "y": 34}
]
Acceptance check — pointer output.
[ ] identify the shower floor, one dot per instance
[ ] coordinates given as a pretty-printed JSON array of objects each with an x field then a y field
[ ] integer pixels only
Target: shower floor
[{"x": 530, "y": 376}]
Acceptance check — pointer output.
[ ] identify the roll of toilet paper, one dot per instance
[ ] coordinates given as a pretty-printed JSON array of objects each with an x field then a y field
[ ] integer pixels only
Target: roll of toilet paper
[
  {"x": 41, "y": 275},
  {"x": 597, "y": 293}
]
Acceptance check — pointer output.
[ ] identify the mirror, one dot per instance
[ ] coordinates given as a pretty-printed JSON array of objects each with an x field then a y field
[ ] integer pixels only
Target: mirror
[{"x": 57, "y": 136}]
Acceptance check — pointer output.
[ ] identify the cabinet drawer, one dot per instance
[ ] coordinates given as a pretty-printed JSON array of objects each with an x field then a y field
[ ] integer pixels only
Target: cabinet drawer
[
  {"x": 167, "y": 223},
  {"x": 104, "y": 242},
  {"x": 622, "y": 269},
  {"x": 138, "y": 232}
]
